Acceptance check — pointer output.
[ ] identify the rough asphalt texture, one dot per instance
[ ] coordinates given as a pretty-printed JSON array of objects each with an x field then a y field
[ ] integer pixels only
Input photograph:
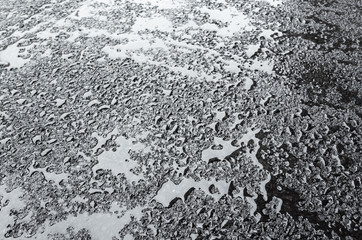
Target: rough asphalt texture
[{"x": 185, "y": 119}]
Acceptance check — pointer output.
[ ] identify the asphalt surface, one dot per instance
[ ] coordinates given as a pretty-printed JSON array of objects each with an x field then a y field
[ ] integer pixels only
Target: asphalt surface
[{"x": 180, "y": 119}]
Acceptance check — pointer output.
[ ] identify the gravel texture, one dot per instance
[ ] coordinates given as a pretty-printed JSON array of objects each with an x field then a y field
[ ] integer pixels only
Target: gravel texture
[{"x": 180, "y": 119}]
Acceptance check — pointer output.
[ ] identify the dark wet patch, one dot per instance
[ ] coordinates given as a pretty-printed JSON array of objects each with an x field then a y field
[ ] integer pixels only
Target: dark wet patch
[{"x": 292, "y": 198}]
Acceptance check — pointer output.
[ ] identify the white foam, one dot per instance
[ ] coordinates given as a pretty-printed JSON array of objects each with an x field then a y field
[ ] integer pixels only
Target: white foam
[
  {"x": 128, "y": 237},
  {"x": 250, "y": 135},
  {"x": 194, "y": 236}
]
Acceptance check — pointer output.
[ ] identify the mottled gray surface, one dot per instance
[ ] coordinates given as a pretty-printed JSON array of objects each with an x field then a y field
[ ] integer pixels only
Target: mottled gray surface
[{"x": 180, "y": 119}]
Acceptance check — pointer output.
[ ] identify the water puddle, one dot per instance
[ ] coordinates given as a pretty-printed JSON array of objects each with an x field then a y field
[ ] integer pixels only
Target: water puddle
[
  {"x": 274, "y": 3},
  {"x": 15, "y": 203},
  {"x": 11, "y": 56},
  {"x": 170, "y": 191},
  {"x": 163, "y": 4},
  {"x": 50, "y": 176},
  {"x": 227, "y": 149},
  {"x": 261, "y": 65},
  {"x": 100, "y": 225},
  {"x": 236, "y": 21},
  {"x": 119, "y": 161},
  {"x": 155, "y": 23}
]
